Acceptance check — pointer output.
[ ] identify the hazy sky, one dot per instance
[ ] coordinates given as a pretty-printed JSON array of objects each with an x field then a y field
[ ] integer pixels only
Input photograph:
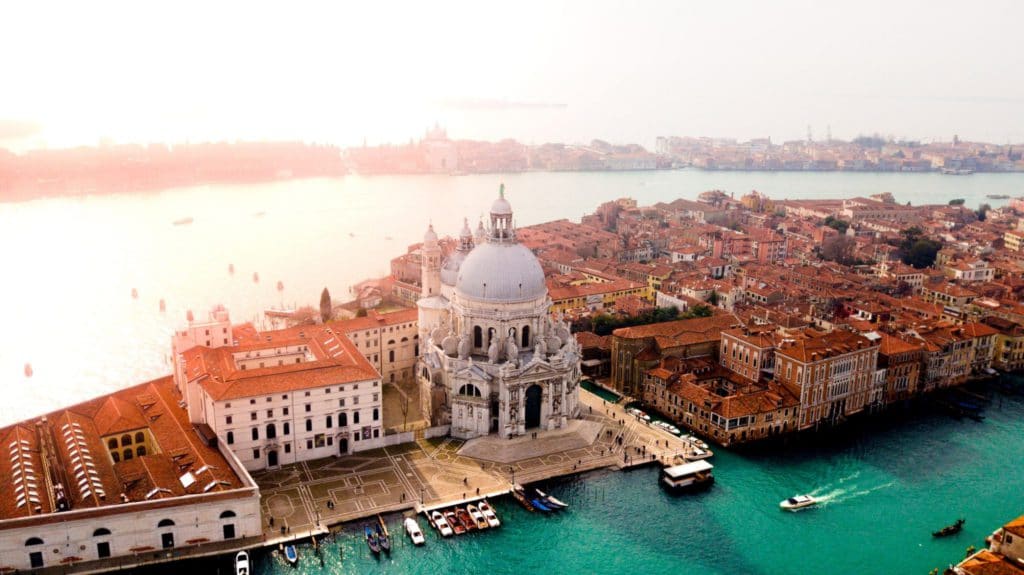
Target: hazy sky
[{"x": 76, "y": 72}]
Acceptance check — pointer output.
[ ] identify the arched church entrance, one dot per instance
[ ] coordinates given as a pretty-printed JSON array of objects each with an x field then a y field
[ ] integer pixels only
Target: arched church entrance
[{"x": 533, "y": 397}]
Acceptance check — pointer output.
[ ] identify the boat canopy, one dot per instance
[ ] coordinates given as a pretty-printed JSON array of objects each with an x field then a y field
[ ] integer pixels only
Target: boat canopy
[{"x": 685, "y": 469}]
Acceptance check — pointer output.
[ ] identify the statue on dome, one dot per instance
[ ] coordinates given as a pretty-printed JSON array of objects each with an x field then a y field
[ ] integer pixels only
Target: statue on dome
[
  {"x": 464, "y": 346},
  {"x": 492, "y": 351},
  {"x": 511, "y": 349}
]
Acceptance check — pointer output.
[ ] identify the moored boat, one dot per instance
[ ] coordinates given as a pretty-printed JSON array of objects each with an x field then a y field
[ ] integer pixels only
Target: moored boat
[
  {"x": 383, "y": 537},
  {"x": 551, "y": 501},
  {"x": 464, "y": 518},
  {"x": 950, "y": 529},
  {"x": 519, "y": 496},
  {"x": 241, "y": 563},
  {"x": 489, "y": 514},
  {"x": 477, "y": 516},
  {"x": 371, "y": 539},
  {"x": 412, "y": 528},
  {"x": 798, "y": 502},
  {"x": 688, "y": 476},
  {"x": 291, "y": 554},
  {"x": 452, "y": 520},
  {"x": 441, "y": 524}
]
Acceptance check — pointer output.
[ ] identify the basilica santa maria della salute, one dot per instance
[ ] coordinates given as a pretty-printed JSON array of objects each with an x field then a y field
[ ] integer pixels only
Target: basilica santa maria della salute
[{"x": 494, "y": 361}]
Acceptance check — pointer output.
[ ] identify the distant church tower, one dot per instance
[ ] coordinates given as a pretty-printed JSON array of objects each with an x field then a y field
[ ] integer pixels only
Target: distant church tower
[{"x": 430, "y": 266}]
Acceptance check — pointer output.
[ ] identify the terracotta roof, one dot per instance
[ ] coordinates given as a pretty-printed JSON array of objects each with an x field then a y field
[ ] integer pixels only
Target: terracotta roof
[
  {"x": 335, "y": 361},
  {"x": 74, "y": 438},
  {"x": 987, "y": 563},
  {"x": 682, "y": 329},
  {"x": 813, "y": 346},
  {"x": 1016, "y": 526}
]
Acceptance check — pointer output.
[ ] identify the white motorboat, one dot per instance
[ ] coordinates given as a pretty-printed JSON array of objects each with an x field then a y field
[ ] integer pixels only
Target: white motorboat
[
  {"x": 242, "y": 563},
  {"x": 439, "y": 521},
  {"x": 798, "y": 502},
  {"x": 489, "y": 514},
  {"x": 413, "y": 529},
  {"x": 477, "y": 516},
  {"x": 697, "y": 453},
  {"x": 637, "y": 413}
]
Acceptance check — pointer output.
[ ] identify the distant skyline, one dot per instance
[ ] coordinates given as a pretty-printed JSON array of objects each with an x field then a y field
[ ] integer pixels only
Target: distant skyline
[{"x": 380, "y": 72}]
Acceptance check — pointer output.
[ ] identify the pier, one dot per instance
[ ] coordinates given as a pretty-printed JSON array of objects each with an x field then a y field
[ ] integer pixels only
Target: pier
[{"x": 428, "y": 474}]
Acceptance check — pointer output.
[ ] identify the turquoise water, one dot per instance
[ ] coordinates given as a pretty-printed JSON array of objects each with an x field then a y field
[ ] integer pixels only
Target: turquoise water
[
  {"x": 599, "y": 391},
  {"x": 886, "y": 484}
]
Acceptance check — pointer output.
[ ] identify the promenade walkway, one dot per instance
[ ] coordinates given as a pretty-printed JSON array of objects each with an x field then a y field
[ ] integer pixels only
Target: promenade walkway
[{"x": 429, "y": 473}]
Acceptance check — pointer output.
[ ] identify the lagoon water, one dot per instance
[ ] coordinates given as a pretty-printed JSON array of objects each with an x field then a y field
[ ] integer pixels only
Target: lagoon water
[{"x": 69, "y": 265}]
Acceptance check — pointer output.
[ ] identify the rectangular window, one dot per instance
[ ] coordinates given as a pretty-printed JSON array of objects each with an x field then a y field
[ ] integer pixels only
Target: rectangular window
[
  {"x": 270, "y": 413},
  {"x": 255, "y": 453},
  {"x": 355, "y": 400},
  {"x": 227, "y": 420},
  {"x": 328, "y": 390},
  {"x": 307, "y": 394},
  {"x": 287, "y": 447},
  {"x": 320, "y": 440},
  {"x": 309, "y": 444},
  {"x": 252, "y": 416},
  {"x": 285, "y": 410},
  {"x": 309, "y": 407},
  {"x": 341, "y": 402},
  {"x": 376, "y": 397}
]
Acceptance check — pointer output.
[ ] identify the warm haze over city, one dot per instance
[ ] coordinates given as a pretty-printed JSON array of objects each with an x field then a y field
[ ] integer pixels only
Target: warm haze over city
[{"x": 453, "y": 287}]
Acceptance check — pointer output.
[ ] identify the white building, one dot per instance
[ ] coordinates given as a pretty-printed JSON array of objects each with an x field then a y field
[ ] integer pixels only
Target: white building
[
  {"x": 284, "y": 396},
  {"x": 493, "y": 360}
]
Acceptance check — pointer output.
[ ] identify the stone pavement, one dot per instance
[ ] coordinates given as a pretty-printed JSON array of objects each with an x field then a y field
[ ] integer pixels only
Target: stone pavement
[{"x": 315, "y": 494}]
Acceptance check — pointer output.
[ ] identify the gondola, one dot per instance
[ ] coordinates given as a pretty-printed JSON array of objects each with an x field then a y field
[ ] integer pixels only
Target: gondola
[
  {"x": 371, "y": 540},
  {"x": 521, "y": 498},
  {"x": 551, "y": 501},
  {"x": 949, "y": 529},
  {"x": 384, "y": 539}
]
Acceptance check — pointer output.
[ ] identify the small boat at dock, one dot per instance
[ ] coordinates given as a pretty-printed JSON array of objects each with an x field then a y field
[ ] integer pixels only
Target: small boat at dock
[
  {"x": 798, "y": 502},
  {"x": 489, "y": 514},
  {"x": 241, "y": 563},
  {"x": 950, "y": 529},
  {"x": 519, "y": 496},
  {"x": 383, "y": 537},
  {"x": 456, "y": 525},
  {"x": 371, "y": 540},
  {"x": 551, "y": 501},
  {"x": 291, "y": 554},
  {"x": 441, "y": 524},
  {"x": 412, "y": 528},
  {"x": 464, "y": 518},
  {"x": 477, "y": 516}
]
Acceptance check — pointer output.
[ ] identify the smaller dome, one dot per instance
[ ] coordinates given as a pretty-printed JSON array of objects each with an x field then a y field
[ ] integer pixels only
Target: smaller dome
[
  {"x": 430, "y": 236},
  {"x": 450, "y": 269},
  {"x": 501, "y": 207},
  {"x": 465, "y": 233}
]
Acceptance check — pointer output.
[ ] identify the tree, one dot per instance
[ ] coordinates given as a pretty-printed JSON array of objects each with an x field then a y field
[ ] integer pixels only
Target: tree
[
  {"x": 713, "y": 298},
  {"x": 957, "y": 202},
  {"x": 837, "y": 224},
  {"x": 699, "y": 310},
  {"x": 982, "y": 212},
  {"x": 326, "y": 308},
  {"x": 922, "y": 253},
  {"x": 838, "y": 249}
]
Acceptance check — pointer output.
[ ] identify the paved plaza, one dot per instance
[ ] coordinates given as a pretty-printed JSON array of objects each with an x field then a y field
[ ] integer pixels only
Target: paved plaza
[{"x": 315, "y": 494}]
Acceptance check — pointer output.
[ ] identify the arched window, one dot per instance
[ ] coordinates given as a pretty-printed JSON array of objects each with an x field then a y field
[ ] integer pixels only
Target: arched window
[
  {"x": 330, "y": 421},
  {"x": 391, "y": 342},
  {"x": 115, "y": 456},
  {"x": 526, "y": 336},
  {"x": 469, "y": 390},
  {"x": 165, "y": 523},
  {"x": 355, "y": 417},
  {"x": 126, "y": 440},
  {"x": 376, "y": 414},
  {"x": 112, "y": 443},
  {"x": 478, "y": 336},
  {"x": 391, "y": 355},
  {"x": 127, "y": 454},
  {"x": 405, "y": 339},
  {"x": 342, "y": 419},
  {"x": 33, "y": 541},
  {"x": 271, "y": 431},
  {"x": 255, "y": 433},
  {"x": 287, "y": 428},
  {"x": 101, "y": 532},
  {"x": 140, "y": 437},
  {"x": 140, "y": 450},
  {"x": 227, "y": 514}
]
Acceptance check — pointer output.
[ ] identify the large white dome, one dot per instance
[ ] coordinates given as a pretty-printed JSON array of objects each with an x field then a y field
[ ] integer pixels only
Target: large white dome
[{"x": 501, "y": 272}]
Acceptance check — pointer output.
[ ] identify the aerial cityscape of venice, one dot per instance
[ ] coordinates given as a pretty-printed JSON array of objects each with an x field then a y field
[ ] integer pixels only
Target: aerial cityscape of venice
[{"x": 356, "y": 288}]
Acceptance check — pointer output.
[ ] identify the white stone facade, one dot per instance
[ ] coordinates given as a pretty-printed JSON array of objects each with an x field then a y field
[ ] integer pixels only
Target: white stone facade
[{"x": 493, "y": 360}]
